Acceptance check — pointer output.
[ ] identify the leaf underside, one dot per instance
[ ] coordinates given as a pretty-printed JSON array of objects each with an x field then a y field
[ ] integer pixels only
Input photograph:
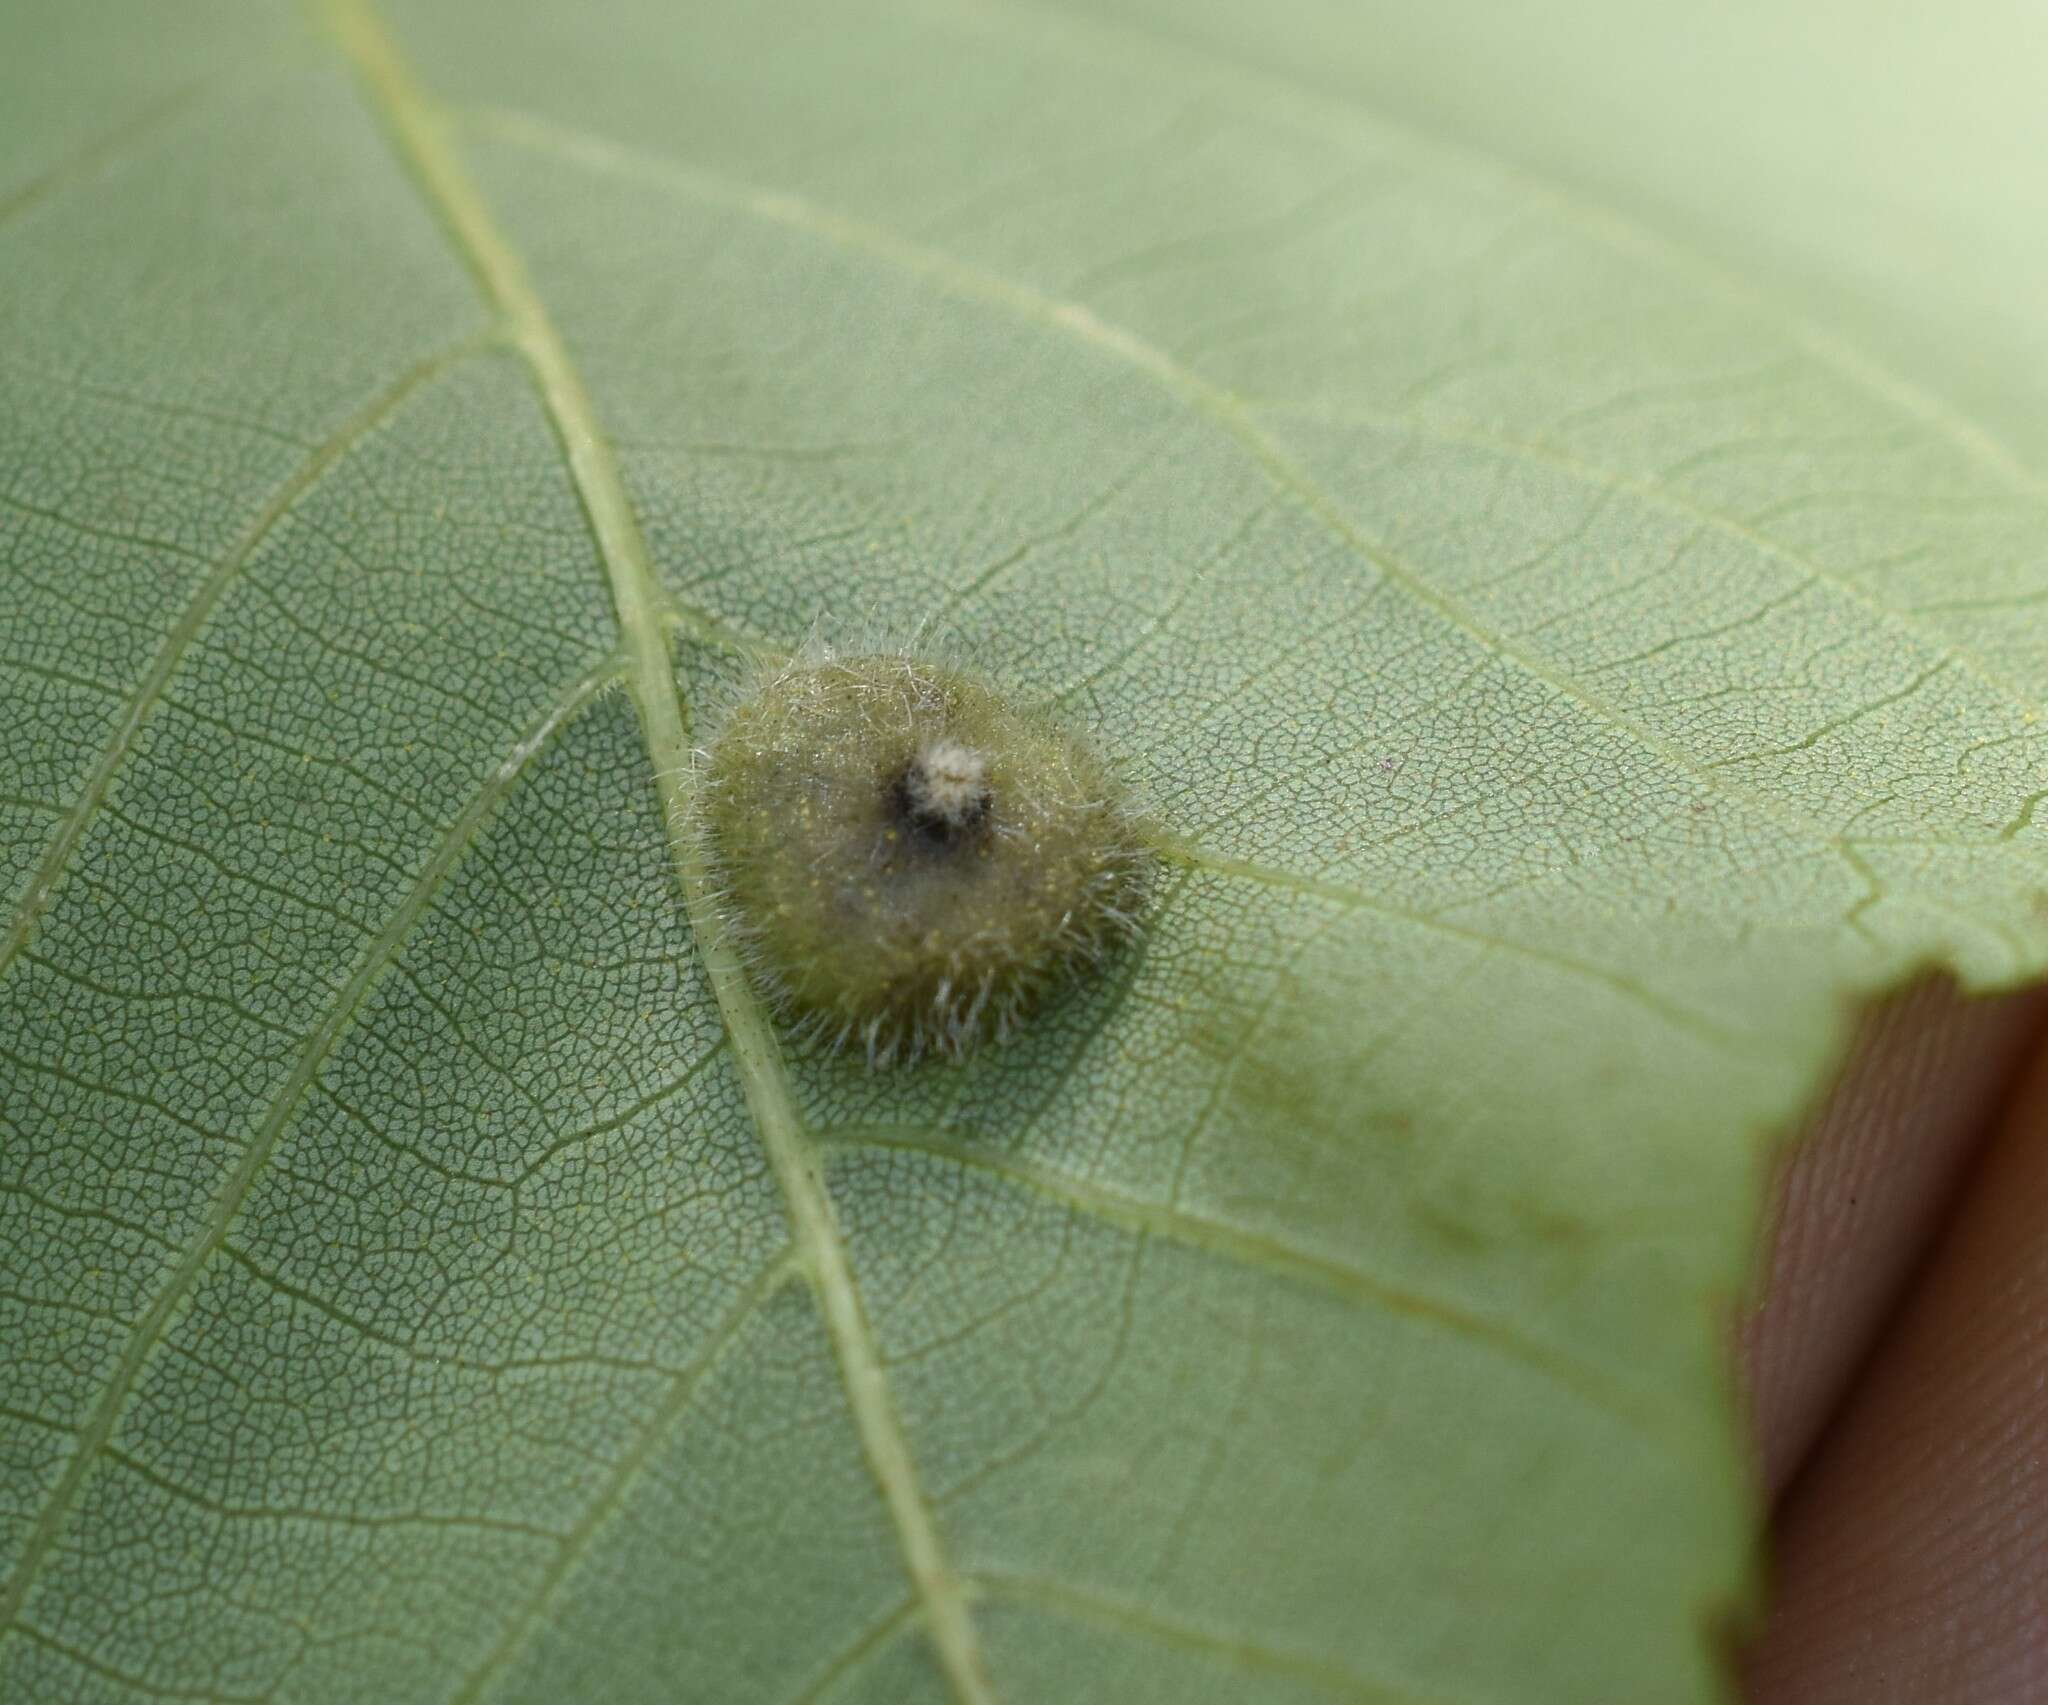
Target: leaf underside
[{"x": 1565, "y": 683}]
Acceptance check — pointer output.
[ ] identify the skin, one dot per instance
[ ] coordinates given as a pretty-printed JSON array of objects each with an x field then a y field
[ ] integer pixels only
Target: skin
[{"x": 1897, "y": 1372}]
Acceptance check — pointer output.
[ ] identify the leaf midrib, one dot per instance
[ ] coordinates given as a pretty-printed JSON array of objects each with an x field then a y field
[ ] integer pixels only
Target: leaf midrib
[{"x": 643, "y": 618}]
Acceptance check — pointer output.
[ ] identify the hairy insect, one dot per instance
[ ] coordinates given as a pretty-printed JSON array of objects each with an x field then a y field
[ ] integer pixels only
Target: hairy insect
[{"x": 910, "y": 863}]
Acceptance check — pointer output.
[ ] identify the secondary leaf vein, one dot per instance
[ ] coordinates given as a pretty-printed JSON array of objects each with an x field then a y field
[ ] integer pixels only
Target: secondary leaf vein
[
  {"x": 1201, "y": 395},
  {"x": 149, "y": 1331},
  {"x": 143, "y": 699},
  {"x": 1257, "y": 1251}
]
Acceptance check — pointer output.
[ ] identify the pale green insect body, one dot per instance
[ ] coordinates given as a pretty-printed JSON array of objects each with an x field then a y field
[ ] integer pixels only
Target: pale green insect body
[{"x": 911, "y": 863}]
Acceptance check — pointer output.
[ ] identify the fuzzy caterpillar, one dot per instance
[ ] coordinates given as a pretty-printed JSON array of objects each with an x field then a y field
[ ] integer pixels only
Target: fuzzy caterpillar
[{"x": 910, "y": 864}]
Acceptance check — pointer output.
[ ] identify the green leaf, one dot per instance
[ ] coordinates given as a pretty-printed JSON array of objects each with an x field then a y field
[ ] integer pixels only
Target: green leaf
[{"x": 1565, "y": 678}]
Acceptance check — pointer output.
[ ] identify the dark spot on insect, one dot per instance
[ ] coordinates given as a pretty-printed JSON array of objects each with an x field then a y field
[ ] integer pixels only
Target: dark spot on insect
[{"x": 942, "y": 794}]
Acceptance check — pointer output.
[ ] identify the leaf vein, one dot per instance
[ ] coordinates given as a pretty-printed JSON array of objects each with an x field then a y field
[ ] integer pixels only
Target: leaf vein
[
  {"x": 421, "y": 141},
  {"x": 149, "y": 1331},
  {"x": 1203, "y": 396},
  {"x": 1257, "y": 1251},
  {"x": 1688, "y": 1019},
  {"x": 1605, "y": 225},
  {"x": 1238, "y": 1653},
  {"x": 612, "y": 1495},
  {"x": 143, "y": 699}
]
